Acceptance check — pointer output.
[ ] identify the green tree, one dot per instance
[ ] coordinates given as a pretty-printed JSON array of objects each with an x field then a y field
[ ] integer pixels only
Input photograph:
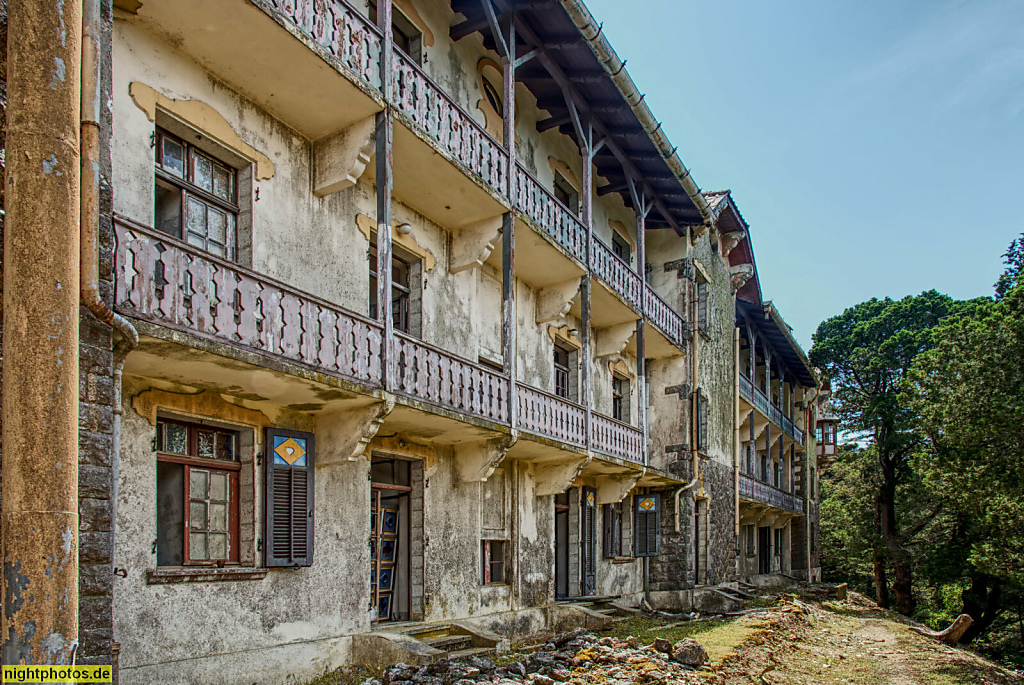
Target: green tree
[
  {"x": 969, "y": 395},
  {"x": 867, "y": 351},
  {"x": 1013, "y": 276}
]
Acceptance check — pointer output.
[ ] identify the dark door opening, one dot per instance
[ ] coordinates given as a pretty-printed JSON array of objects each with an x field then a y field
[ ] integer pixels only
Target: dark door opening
[
  {"x": 588, "y": 541},
  {"x": 696, "y": 548},
  {"x": 390, "y": 584},
  {"x": 562, "y": 545},
  {"x": 764, "y": 550}
]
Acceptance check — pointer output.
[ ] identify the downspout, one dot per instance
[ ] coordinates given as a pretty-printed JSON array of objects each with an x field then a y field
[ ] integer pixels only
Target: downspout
[
  {"x": 614, "y": 67},
  {"x": 90, "y": 220},
  {"x": 736, "y": 447}
]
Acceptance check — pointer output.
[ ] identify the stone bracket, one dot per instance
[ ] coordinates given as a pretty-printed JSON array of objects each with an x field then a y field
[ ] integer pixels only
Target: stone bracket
[
  {"x": 614, "y": 489},
  {"x": 613, "y": 340},
  {"x": 731, "y": 240},
  {"x": 682, "y": 267},
  {"x": 680, "y": 448},
  {"x": 476, "y": 461},
  {"x": 554, "y": 479},
  {"x": 472, "y": 244},
  {"x": 683, "y": 390},
  {"x": 343, "y": 436},
  {"x": 555, "y": 301},
  {"x": 739, "y": 275},
  {"x": 340, "y": 158}
]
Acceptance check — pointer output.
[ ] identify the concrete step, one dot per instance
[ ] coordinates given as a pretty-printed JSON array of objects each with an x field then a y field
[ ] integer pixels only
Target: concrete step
[
  {"x": 473, "y": 651},
  {"x": 451, "y": 643},
  {"x": 429, "y": 632}
]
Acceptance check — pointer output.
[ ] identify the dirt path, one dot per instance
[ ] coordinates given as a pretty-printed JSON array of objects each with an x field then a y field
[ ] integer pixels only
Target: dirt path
[{"x": 851, "y": 642}]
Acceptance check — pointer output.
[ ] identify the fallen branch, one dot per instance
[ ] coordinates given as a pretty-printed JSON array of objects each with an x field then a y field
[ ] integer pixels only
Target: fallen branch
[{"x": 951, "y": 635}]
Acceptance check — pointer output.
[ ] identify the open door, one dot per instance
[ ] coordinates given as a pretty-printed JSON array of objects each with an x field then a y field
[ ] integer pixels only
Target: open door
[
  {"x": 390, "y": 586},
  {"x": 764, "y": 549}
]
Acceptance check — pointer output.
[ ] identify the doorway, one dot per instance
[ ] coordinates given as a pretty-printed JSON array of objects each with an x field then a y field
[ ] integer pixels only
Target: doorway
[
  {"x": 390, "y": 577},
  {"x": 562, "y": 545},
  {"x": 588, "y": 542},
  {"x": 764, "y": 549}
]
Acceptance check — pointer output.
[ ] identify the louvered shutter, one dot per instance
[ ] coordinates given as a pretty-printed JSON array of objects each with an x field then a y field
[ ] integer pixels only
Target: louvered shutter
[
  {"x": 288, "y": 505},
  {"x": 702, "y": 426},
  {"x": 608, "y": 522},
  {"x": 589, "y": 539},
  {"x": 647, "y": 531}
]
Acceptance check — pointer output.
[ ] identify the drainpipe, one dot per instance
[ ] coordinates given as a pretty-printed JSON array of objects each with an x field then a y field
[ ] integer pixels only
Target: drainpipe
[
  {"x": 39, "y": 530},
  {"x": 736, "y": 446},
  {"x": 615, "y": 68},
  {"x": 90, "y": 220}
]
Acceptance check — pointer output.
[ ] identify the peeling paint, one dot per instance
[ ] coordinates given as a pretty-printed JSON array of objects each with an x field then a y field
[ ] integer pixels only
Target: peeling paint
[
  {"x": 58, "y": 73},
  {"x": 50, "y": 165},
  {"x": 16, "y": 583}
]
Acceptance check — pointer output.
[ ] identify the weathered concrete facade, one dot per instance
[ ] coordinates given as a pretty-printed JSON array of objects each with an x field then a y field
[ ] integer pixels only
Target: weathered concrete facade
[{"x": 547, "y": 404}]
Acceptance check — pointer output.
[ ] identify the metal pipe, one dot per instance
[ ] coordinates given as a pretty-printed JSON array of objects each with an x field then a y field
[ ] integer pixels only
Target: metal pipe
[
  {"x": 39, "y": 531},
  {"x": 678, "y": 493},
  {"x": 615, "y": 69}
]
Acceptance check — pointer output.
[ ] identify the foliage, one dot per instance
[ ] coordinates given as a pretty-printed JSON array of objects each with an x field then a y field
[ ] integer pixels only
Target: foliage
[{"x": 1013, "y": 276}]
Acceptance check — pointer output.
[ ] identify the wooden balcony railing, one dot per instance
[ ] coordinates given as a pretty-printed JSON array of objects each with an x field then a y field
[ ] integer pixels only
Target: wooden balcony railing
[
  {"x": 761, "y": 403},
  {"x": 667, "y": 320},
  {"x": 540, "y": 205},
  {"x": 616, "y": 438},
  {"x": 756, "y": 491},
  {"x": 427, "y": 106},
  {"x": 165, "y": 281},
  {"x": 617, "y": 274},
  {"x": 430, "y": 374},
  {"x": 554, "y": 417},
  {"x": 343, "y": 32}
]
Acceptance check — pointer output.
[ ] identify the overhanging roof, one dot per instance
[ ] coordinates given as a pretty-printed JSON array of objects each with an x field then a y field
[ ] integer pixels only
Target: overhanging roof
[{"x": 771, "y": 326}]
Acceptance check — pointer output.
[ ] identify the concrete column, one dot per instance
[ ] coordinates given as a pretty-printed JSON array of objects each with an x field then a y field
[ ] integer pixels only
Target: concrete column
[{"x": 40, "y": 321}]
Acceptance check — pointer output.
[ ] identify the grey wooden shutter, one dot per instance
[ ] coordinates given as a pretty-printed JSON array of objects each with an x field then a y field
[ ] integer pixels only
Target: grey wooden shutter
[
  {"x": 647, "y": 531},
  {"x": 608, "y": 513},
  {"x": 702, "y": 426},
  {"x": 589, "y": 539},
  {"x": 288, "y": 504}
]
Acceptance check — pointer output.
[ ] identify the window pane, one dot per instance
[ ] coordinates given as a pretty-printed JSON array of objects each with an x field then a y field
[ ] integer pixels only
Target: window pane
[
  {"x": 218, "y": 517},
  {"x": 231, "y": 242},
  {"x": 202, "y": 172},
  {"x": 206, "y": 445},
  {"x": 218, "y": 546},
  {"x": 222, "y": 183},
  {"x": 197, "y": 546},
  {"x": 196, "y": 222},
  {"x": 198, "y": 516},
  {"x": 174, "y": 157},
  {"x": 217, "y": 226},
  {"x": 175, "y": 438},
  {"x": 226, "y": 446},
  {"x": 167, "y": 212},
  {"x": 199, "y": 484},
  {"x": 218, "y": 486}
]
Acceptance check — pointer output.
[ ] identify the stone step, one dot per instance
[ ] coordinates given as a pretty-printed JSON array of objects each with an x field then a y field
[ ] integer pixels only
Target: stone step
[
  {"x": 425, "y": 633},
  {"x": 474, "y": 651},
  {"x": 450, "y": 643}
]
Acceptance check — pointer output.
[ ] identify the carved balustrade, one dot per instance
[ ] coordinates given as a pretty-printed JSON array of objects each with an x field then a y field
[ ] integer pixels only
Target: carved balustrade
[
  {"x": 617, "y": 274},
  {"x": 616, "y": 438},
  {"x": 760, "y": 402},
  {"x": 666, "y": 319},
  {"x": 343, "y": 32},
  {"x": 429, "y": 373},
  {"x": 544, "y": 414},
  {"x": 754, "y": 490},
  {"x": 163, "y": 280},
  {"x": 543, "y": 209}
]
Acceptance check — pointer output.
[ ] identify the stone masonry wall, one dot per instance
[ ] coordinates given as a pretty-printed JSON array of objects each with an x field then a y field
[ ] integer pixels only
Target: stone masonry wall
[{"x": 720, "y": 485}]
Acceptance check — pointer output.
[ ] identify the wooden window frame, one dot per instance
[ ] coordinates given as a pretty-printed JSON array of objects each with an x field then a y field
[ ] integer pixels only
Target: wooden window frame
[
  {"x": 620, "y": 398},
  {"x": 562, "y": 186},
  {"x": 190, "y": 461},
  {"x": 613, "y": 518},
  {"x": 488, "y": 562},
  {"x": 750, "y": 536},
  {"x": 562, "y": 371},
  {"x": 187, "y": 189},
  {"x": 621, "y": 248},
  {"x": 401, "y": 293},
  {"x": 777, "y": 542}
]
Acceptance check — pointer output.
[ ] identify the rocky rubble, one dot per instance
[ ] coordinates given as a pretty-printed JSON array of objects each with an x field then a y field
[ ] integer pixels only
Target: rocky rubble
[{"x": 567, "y": 656}]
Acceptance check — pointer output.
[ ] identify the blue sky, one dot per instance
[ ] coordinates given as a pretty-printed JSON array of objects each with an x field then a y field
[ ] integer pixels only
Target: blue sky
[{"x": 876, "y": 148}]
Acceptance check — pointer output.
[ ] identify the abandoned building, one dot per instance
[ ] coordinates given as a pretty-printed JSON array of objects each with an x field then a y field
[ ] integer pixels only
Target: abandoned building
[{"x": 436, "y": 337}]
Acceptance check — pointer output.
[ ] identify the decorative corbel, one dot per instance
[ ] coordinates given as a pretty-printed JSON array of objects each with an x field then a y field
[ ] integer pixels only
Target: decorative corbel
[
  {"x": 554, "y": 479},
  {"x": 731, "y": 240},
  {"x": 476, "y": 461},
  {"x": 739, "y": 275},
  {"x": 613, "y": 340},
  {"x": 473, "y": 244},
  {"x": 555, "y": 301},
  {"x": 614, "y": 489},
  {"x": 342, "y": 436},
  {"x": 341, "y": 158}
]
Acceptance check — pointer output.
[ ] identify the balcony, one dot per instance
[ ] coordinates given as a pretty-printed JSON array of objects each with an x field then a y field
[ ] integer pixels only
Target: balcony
[
  {"x": 163, "y": 281},
  {"x": 759, "y": 401},
  {"x": 756, "y": 491}
]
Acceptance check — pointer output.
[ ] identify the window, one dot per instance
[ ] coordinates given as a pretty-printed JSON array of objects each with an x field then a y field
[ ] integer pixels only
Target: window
[
  {"x": 405, "y": 291},
  {"x": 288, "y": 500},
  {"x": 562, "y": 358},
  {"x": 647, "y": 527},
  {"x": 620, "y": 398},
  {"x": 566, "y": 193},
  {"x": 702, "y": 306},
  {"x": 778, "y": 542},
  {"x": 196, "y": 196},
  {"x": 702, "y": 421},
  {"x": 493, "y": 556},
  {"x": 407, "y": 36},
  {"x": 197, "y": 495},
  {"x": 613, "y": 520},
  {"x": 621, "y": 247},
  {"x": 751, "y": 537}
]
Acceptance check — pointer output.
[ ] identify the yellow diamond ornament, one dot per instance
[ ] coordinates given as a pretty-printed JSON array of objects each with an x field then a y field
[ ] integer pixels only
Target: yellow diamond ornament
[
  {"x": 290, "y": 451},
  {"x": 647, "y": 504}
]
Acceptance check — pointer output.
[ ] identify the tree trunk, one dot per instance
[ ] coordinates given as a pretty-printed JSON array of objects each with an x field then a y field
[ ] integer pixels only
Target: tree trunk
[
  {"x": 881, "y": 582},
  {"x": 982, "y": 603},
  {"x": 902, "y": 584}
]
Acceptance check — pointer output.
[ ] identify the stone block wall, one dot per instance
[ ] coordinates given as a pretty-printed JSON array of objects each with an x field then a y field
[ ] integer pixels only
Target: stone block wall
[{"x": 720, "y": 484}]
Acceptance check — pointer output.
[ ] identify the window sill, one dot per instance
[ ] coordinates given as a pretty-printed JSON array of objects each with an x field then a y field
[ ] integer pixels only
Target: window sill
[
  {"x": 164, "y": 576},
  {"x": 623, "y": 560}
]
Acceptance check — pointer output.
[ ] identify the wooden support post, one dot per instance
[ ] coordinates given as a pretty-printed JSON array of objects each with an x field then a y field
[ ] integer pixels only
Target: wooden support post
[
  {"x": 508, "y": 233},
  {"x": 384, "y": 125}
]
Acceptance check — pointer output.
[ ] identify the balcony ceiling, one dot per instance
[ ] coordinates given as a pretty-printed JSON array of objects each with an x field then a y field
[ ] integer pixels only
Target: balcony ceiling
[
  {"x": 547, "y": 22},
  {"x": 781, "y": 341}
]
